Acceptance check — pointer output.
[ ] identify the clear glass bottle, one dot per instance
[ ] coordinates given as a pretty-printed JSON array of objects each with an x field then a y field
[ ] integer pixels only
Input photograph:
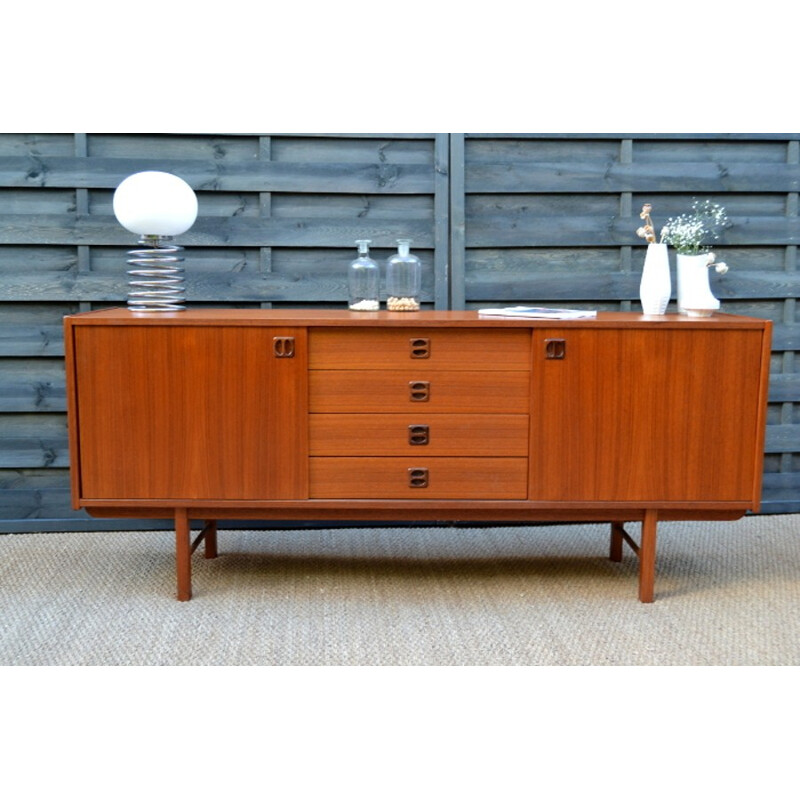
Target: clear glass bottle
[
  {"x": 363, "y": 280},
  {"x": 403, "y": 279}
]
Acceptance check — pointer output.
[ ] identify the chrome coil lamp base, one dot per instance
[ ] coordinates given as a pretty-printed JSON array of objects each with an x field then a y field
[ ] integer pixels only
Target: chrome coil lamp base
[{"x": 156, "y": 280}]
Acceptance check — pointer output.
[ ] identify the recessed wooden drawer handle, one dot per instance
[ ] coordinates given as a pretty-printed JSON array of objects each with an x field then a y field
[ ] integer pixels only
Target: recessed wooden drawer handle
[
  {"x": 418, "y": 478},
  {"x": 283, "y": 346},
  {"x": 555, "y": 349},
  {"x": 420, "y": 348},
  {"x": 418, "y": 434},
  {"x": 419, "y": 391}
]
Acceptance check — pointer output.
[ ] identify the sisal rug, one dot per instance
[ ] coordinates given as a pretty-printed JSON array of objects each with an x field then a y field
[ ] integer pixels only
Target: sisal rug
[{"x": 727, "y": 593}]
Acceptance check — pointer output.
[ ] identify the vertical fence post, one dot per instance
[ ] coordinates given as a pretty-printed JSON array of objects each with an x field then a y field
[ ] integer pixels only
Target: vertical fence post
[
  {"x": 457, "y": 223},
  {"x": 441, "y": 221}
]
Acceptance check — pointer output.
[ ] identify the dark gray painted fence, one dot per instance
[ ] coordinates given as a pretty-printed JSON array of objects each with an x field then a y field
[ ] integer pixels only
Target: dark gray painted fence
[{"x": 496, "y": 218}]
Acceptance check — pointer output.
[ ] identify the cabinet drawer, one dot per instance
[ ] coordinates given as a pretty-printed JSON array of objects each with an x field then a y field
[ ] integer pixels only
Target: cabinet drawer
[
  {"x": 419, "y": 478},
  {"x": 418, "y": 390},
  {"x": 392, "y": 348},
  {"x": 418, "y": 434}
]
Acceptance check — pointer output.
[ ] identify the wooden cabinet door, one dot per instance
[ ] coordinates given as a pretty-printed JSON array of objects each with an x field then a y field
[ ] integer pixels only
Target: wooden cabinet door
[
  {"x": 661, "y": 415},
  {"x": 191, "y": 412}
]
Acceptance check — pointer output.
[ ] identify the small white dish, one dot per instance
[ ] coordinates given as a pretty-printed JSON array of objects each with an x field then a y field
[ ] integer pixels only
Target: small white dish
[{"x": 699, "y": 312}]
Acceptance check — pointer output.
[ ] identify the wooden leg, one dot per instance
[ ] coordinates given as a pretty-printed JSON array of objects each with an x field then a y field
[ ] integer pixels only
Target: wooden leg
[
  {"x": 615, "y": 551},
  {"x": 647, "y": 556},
  {"x": 183, "y": 554},
  {"x": 210, "y": 539}
]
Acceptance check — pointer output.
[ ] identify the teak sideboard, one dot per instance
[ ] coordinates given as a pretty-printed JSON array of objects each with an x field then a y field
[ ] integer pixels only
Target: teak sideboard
[{"x": 442, "y": 416}]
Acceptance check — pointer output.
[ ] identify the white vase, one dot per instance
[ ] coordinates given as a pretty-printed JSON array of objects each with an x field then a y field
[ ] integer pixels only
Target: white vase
[
  {"x": 656, "y": 284},
  {"x": 694, "y": 291}
]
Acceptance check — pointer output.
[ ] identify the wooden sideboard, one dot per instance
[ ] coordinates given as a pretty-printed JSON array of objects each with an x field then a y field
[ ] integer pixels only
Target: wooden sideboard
[{"x": 433, "y": 416}]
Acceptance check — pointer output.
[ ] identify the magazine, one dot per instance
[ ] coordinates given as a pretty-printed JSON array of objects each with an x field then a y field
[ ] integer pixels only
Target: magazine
[{"x": 535, "y": 312}]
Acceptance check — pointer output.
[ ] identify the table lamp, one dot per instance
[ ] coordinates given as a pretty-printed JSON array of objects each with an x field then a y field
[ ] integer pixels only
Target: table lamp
[{"x": 156, "y": 206}]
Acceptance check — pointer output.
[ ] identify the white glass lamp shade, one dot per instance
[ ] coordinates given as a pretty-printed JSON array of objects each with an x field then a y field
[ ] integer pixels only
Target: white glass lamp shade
[{"x": 155, "y": 204}]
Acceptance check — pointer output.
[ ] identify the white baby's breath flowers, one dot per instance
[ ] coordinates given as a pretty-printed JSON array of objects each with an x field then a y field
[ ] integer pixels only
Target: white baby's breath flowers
[{"x": 687, "y": 232}]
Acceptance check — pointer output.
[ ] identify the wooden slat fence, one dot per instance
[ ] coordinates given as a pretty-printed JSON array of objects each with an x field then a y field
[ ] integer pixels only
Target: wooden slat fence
[{"x": 496, "y": 218}]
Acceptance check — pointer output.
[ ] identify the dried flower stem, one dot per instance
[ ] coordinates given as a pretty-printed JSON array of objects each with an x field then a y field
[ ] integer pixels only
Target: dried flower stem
[{"x": 647, "y": 231}]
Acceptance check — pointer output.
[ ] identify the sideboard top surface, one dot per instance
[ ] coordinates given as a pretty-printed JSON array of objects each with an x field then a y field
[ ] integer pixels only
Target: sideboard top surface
[{"x": 335, "y": 317}]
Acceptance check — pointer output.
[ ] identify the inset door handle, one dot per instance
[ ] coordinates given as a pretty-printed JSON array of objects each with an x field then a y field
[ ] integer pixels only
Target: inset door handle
[
  {"x": 418, "y": 478},
  {"x": 283, "y": 346},
  {"x": 419, "y": 391},
  {"x": 418, "y": 434},
  {"x": 555, "y": 349},
  {"x": 420, "y": 348}
]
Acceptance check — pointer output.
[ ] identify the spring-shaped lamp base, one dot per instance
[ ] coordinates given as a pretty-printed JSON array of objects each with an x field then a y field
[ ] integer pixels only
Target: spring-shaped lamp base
[{"x": 156, "y": 280}]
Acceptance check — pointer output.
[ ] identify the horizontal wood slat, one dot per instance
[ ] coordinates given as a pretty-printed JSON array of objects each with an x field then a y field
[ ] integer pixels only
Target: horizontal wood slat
[
  {"x": 251, "y": 176},
  {"x": 200, "y": 288},
  {"x": 224, "y": 232},
  {"x": 33, "y": 441},
  {"x": 671, "y": 137},
  {"x": 593, "y": 231},
  {"x": 35, "y": 504},
  {"x": 692, "y": 176},
  {"x": 36, "y": 385},
  {"x": 782, "y": 439},
  {"x": 784, "y": 388},
  {"x": 33, "y": 451},
  {"x": 578, "y": 285},
  {"x": 31, "y": 340}
]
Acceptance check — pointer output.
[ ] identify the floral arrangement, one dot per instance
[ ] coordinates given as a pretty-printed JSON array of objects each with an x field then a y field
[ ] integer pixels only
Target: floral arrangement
[{"x": 687, "y": 232}]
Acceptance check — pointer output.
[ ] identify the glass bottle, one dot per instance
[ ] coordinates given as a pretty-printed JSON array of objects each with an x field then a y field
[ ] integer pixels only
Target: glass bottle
[
  {"x": 403, "y": 279},
  {"x": 363, "y": 280}
]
